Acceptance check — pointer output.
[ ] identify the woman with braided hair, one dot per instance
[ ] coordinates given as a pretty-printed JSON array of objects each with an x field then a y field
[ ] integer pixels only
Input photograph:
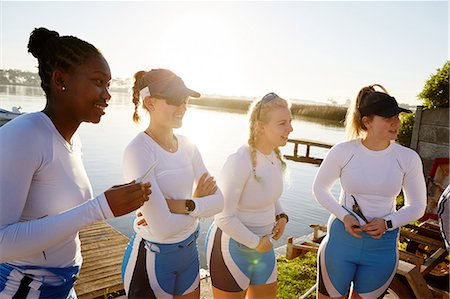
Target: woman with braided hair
[
  {"x": 162, "y": 260},
  {"x": 240, "y": 254},
  {"x": 45, "y": 194},
  {"x": 360, "y": 248}
]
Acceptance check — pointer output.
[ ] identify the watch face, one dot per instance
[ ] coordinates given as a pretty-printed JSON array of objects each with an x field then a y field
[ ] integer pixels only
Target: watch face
[
  {"x": 190, "y": 205},
  {"x": 389, "y": 223}
]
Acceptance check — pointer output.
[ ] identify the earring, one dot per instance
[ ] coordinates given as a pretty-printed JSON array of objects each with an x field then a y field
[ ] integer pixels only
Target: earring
[{"x": 63, "y": 88}]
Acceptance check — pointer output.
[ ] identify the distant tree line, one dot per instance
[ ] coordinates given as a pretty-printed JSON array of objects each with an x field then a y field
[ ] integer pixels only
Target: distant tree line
[
  {"x": 24, "y": 78},
  {"x": 18, "y": 77}
]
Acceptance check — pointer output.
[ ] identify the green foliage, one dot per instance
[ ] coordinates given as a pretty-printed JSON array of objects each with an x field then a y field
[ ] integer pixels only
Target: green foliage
[
  {"x": 406, "y": 128},
  {"x": 296, "y": 276},
  {"x": 400, "y": 201},
  {"x": 435, "y": 93}
]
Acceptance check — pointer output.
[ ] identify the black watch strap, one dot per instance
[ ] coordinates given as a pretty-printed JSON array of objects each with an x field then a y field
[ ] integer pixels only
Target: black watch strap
[{"x": 389, "y": 224}]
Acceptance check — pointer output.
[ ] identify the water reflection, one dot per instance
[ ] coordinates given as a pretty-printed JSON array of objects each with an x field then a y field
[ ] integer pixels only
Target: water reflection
[
  {"x": 29, "y": 91},
  {"x": 216, "y": 133}
]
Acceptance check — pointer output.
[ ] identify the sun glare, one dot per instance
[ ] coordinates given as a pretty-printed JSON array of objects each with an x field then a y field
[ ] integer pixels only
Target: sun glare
[{"x": 197, "y": 47}]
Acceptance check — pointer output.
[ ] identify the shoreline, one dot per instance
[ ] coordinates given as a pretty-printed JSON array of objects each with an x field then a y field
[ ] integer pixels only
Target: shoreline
[{"x": 333, "y": 115}]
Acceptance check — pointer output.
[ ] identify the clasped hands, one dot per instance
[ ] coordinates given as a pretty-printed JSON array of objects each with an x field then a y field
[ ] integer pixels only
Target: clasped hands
[
  {"x": 278, "y": 230},
  {"x": 375, "y": 228}
]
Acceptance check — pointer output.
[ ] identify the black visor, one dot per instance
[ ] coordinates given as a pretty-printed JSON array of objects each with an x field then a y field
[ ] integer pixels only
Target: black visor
[{"x": 378, "y": 103}]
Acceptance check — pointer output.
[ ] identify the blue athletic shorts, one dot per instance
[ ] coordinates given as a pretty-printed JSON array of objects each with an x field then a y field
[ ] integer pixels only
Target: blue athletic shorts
[
  {"x": 152, "y": 270},
  {"x": 27, "y": 282},
  {"x": 233, "y": 266},
  {"x": 370, "y": 264}
]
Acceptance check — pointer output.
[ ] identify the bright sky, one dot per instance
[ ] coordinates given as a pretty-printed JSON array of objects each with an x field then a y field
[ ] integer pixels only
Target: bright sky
[{"x": 301, "y": 50}]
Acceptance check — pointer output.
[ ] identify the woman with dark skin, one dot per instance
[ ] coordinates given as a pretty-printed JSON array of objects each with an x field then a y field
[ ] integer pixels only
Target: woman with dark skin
[{"x": 45, "y": 194}]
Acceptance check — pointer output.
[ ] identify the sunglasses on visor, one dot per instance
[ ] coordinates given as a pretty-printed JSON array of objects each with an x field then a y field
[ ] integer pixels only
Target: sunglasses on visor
[{"x": 266, "y": 99}]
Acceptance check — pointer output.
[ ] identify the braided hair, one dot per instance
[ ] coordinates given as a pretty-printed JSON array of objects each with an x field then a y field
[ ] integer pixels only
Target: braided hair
[
  {"x": 354, "y": 126},
  {"x": 139, "y": 83},
  {"x": 57, "y": 52},
  {"x": 258, "y": 116}
]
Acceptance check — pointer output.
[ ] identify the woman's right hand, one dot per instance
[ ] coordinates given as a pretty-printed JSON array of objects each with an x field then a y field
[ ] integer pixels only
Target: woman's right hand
[
  {"x": 264, "y": 244},
  {"x": 205, "y": 186},
  {"x": 123, "y": 199},
  {"x": 352, "y": 226}
]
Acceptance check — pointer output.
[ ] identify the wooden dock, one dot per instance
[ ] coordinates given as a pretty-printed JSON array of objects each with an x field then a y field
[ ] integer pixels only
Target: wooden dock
[
  {"x": 308, "y": 144},
  {"x": 102, "y": 248}
]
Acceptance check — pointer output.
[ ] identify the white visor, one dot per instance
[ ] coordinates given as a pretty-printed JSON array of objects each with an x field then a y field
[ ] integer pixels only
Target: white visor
[{"x": 145, "y": 92}]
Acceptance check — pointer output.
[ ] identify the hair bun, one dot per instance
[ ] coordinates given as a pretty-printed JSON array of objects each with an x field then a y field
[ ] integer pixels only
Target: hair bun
[{"x": 39, "y": 39}]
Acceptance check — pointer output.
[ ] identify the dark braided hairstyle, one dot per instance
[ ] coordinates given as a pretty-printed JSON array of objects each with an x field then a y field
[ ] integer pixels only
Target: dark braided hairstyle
[{"x": 57, "y": 52}]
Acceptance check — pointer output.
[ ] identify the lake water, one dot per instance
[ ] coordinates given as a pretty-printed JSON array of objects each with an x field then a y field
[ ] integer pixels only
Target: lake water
[{"x": 217, "y": 135}]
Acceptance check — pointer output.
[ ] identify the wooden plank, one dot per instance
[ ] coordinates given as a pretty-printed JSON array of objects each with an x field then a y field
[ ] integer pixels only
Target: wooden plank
[
  {"x": 415, "y": 279},
  {"x": 411, "y": 258},
  {"x": 311, "y": 142},
  {"x": 424, "y": 231},
  {"x": 431, "y": 262},
  {"x": 308, "y": 144},
  {"x": 302, "y": 159},
  {"x": 421, "y": 239},
  {"x": 102, "y": 248}
]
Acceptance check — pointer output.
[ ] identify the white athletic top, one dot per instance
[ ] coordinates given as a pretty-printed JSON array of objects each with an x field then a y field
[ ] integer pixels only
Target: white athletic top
[
  {"x": 173, "y": 178},
  {"x": 250, "y": 206},
  {"x": 374, "y": 178},
  {"x": 44, "y": 195}
]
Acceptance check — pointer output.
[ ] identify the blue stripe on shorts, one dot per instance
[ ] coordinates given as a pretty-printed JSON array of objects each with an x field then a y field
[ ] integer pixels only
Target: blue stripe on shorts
[
  {"x": 258, "y": 267},
  {"x": 368, "y": 262}
]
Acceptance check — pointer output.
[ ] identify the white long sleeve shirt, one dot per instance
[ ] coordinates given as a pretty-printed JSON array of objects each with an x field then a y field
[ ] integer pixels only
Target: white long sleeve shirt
[
  {"x": 173, "y": 178},
  {"x": 374, "y": 178},
  {"x": 250, "y": 206},
  {"x": 45, "y": 195}
]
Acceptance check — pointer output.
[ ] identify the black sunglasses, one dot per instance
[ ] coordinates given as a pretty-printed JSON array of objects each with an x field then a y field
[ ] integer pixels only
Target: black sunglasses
[{"x": 265, "y": 99}]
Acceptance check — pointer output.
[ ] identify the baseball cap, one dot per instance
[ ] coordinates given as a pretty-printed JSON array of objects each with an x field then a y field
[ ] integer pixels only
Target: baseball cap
[
  {"x": 164, "y": 84},
  {"x": 380, "y": 103}
]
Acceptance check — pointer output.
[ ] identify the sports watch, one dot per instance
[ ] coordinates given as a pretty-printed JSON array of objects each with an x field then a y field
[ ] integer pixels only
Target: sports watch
[
  {"x": 190, "y": 206},
  {"x": 388, "y": 224}
]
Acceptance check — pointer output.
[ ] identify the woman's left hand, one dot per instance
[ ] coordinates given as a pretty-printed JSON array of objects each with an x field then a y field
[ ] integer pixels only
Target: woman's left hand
[
  {"x": 375, "y": 228},
  {"x": 206, "y": 186},
  {"x": 278, "y": 229}
]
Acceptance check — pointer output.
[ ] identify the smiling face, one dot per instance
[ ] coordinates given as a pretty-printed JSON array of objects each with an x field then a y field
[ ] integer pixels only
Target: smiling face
[
  {"x": 86, "y": 90},
  {"x": 167, "y": 115},
  {"x": 276, "y": 130},
  {"x": 382, "y": 128}
]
